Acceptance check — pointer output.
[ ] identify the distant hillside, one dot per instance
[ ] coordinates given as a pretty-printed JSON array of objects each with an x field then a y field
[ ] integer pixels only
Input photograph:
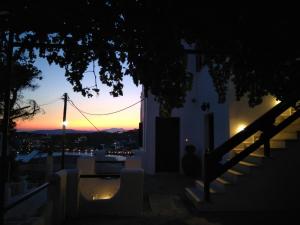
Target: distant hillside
[
  {"x": 114, "y": 130},
  {"x": 59, "y": 131},
  {"x": 71, "y": 131}
]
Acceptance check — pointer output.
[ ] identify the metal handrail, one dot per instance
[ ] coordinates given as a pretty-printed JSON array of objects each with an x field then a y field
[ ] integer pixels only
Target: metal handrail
[
  {"x": 265, "y": 124},
  {"x": 26, "y": 196},
  {"x": 262, "y": 140},
  {"x": 259, "y": 124}
]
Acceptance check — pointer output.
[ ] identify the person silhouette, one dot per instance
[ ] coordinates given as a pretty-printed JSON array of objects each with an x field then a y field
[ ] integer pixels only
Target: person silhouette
[{"x": 191, "y": 163}]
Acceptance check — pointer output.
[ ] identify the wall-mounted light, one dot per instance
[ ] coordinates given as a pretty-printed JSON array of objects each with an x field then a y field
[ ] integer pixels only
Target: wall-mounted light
[
  {"x": 276, "y": 101},
  {"x": 240, "y": 127},
  {"x": 102, "y": 196}
]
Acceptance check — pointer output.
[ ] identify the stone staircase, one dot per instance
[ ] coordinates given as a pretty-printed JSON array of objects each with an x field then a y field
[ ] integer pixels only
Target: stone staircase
[{"x": 246, "y": 167}]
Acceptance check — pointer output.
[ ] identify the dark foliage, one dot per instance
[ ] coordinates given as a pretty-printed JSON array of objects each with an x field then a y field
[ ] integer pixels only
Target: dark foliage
[
  {"x": 23, "y": 75},
  {"x": 256, "y": 48}
]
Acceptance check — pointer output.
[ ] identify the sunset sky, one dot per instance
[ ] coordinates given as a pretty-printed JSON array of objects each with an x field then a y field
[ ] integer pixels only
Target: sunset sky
[{"x": 54, "y": 85}]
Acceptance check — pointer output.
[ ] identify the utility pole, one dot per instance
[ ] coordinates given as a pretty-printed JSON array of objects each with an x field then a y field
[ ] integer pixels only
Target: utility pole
[{"x": 64, "y": 124}]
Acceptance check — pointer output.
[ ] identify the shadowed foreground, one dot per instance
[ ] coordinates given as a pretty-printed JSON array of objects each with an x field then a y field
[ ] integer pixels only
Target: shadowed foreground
[{"x": 165, "y": 204}]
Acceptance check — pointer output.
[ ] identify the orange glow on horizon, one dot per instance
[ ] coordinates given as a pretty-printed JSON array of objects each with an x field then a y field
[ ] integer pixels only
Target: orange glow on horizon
[
  {"x": 52, "y": 119},
  {"x": 40, "y": 124},
  {"x": 29, "y": 127},
  {"x": 54, "y": 85}
]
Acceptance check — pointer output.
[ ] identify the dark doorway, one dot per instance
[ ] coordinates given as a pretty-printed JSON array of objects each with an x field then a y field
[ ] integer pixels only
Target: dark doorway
[{"x": 167, "y": 144}]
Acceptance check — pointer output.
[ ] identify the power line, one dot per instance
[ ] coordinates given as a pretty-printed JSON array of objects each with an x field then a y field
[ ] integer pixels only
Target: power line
[
  {"x": 105, "y": 114},
  {"x": 72, "y": 104},
  {"x": 98, "y": 114},
  {"x": 51, "y": 102}
]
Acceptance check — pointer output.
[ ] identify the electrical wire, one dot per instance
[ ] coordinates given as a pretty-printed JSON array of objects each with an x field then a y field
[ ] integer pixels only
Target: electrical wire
[
  {"x": 98, "y": 114},
  {"x": 72, "y": 104},
  {"x": 105, "y": 114},
  {"x": 51, "y": 102}
]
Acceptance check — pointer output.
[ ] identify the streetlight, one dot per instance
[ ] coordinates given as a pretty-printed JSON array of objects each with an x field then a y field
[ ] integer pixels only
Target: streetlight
[{"x": 64, "y": 125}]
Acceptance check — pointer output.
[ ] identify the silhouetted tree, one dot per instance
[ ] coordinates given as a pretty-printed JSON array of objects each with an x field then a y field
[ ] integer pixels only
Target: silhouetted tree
[
  {"x": 256, "y": 48},
  {"x": 23, "y": 76}
]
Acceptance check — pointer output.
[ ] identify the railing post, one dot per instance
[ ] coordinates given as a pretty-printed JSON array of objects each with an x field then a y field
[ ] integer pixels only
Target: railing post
[
  {"x": 266, "y": 134},
  {"x": 267, "y": 151},
  {"x": 49, "y": 167},
  {"x": 206, "y": 176},
  {"x": 209, "y": 146}
]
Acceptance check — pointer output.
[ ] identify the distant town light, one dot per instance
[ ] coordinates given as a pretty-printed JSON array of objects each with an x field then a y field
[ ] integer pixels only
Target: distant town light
[
  {"x": 240, "y": 127},
  {"x": 186, "y": 140}
]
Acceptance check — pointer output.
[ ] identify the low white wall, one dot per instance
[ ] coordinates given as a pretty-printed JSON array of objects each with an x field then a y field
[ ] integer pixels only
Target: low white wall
[
  {"x": 58, "y": 195},
  {"x": 123, "y": 196},
  {"x": 103, "y": 188}
]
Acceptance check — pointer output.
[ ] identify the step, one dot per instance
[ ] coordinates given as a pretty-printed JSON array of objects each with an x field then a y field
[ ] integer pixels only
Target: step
[
  {"x": 294, "y": 127},
  {"x": 238, "y": 149},
  {"x": 214, "y": 189},
  {"x": 249, "y": 140},
  {"x": 219, "y": 185},
  {"x": 244, "y": 167},
  {"x": 296, "y": 122},
  {"x": 240, "y": 146},
  {"x": 252, "y": 158},
  {"x": 274, "y": 144},
  {"x": 258, "y": 153},
  {"x": 280, "y": 118},
  {"x": 232, "y": 175},
  {"x": 287, "y": 112},
  {"x": 248, "y": 144},
  {"x": 261, "y": 151},
  {"x": 200, "y": 185},
  {"x": 286, "y": 136},
  {"x": 195, "y": 195}
]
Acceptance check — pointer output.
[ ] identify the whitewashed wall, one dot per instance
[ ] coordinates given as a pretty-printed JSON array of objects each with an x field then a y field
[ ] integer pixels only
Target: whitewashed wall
[
  {"x": 228, "y": 117},
  {"x": 191, "y": 117}
]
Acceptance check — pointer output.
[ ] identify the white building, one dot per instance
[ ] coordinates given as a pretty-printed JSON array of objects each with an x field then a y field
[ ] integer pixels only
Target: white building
[{"x": 229, "y": 118}]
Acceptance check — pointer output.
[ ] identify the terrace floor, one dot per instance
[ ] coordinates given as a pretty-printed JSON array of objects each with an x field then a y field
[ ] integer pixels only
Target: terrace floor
[{"x": 165, "y": 204}]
